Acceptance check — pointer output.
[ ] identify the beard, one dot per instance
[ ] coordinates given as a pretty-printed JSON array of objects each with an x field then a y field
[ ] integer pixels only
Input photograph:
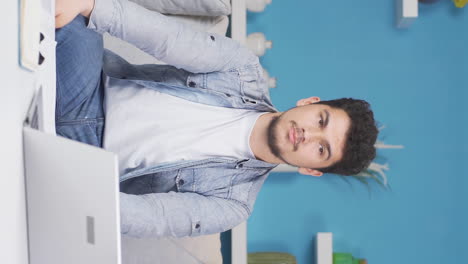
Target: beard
[{"x": 273, "y": 138}]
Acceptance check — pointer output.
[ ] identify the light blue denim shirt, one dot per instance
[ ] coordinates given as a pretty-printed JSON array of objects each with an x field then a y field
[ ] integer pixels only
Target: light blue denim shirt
[{"x": 185, "y": 198}]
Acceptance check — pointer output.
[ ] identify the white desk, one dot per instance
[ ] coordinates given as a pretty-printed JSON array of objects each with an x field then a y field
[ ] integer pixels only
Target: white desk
[{"x": 16, "y": 92}]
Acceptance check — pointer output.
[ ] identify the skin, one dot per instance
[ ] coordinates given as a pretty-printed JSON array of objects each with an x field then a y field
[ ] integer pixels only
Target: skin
[
  {"x": 67, "y": 10},
  {"x": 297, "y": 137}
]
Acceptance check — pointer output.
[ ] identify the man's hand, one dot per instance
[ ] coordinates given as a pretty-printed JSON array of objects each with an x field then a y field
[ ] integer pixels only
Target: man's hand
[{"x": 67, "y": 10}]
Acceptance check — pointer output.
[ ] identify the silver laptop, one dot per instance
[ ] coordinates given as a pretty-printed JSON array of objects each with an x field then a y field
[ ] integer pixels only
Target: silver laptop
[{"x": 72, "y": 194}]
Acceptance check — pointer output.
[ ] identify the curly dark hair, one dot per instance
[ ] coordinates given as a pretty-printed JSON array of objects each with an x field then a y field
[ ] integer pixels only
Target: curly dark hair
[{"x": 359, "y": 150}]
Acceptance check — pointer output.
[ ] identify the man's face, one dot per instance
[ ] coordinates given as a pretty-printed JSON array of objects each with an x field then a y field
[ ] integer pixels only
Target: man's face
[{"x": 309, "y": 136}]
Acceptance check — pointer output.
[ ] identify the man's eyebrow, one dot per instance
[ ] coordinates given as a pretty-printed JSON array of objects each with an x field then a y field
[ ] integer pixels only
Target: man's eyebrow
[
  {"x": 327, "y": 117},
  {"x": 325, "y": 123},
  {"x": 327, "y": 146}
]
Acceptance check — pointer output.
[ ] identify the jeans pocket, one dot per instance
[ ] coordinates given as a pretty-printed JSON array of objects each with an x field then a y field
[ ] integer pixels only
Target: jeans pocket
[{"x": 88, "y": 131}]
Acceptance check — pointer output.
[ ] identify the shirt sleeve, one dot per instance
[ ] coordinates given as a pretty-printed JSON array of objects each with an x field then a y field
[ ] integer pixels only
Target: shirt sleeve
[
  {"x": 168, "y": 40},
  {"x": 178, "y": 214}
]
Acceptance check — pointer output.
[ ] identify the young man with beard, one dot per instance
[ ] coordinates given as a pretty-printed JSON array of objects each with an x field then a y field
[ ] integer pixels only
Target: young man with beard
[{"x": 195, "y": 140}]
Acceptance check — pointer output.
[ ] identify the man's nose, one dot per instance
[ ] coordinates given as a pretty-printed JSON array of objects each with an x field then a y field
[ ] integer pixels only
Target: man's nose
[{"x": 310, "y": 133}]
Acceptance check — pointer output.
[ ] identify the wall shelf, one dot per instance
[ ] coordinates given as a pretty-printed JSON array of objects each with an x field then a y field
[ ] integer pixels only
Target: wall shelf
[
  {"x": 406, "y": 12},
  {"x": 239, "y": 32},
  {"x": 324, "y": 248}
]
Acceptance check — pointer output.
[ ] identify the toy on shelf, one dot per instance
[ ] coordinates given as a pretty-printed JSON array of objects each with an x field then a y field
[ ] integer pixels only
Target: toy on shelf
[
  {"x": 270, "y": 82},
  {"x": 347, "y": 258},
  {"x": 257, "y": 5},
  {"x": 460, "y": 3},
  {"x": 258, "y": 43}
]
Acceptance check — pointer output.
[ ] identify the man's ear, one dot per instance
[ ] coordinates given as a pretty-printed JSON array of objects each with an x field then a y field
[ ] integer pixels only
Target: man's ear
[
  {"x": 311, "y": 172},
  {"x": 306, "y": 101}
]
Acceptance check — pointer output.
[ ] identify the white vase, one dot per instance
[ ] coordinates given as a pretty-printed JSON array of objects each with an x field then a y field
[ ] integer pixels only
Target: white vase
[
  {"x": 258, "y": 43},
  {"x": 269, "y": 81},
  {"x": 257, "y": 5}
]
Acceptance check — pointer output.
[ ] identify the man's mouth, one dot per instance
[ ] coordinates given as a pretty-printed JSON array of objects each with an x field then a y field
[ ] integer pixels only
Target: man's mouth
[{"x": 296, "y": 135}]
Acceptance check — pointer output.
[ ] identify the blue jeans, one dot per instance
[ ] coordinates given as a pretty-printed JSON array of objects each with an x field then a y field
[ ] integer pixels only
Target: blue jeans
[{"x": 79, "y": 113}]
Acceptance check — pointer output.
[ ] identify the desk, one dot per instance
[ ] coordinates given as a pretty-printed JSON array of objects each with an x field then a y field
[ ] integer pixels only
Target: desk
[{"x": 16, "y": 92}]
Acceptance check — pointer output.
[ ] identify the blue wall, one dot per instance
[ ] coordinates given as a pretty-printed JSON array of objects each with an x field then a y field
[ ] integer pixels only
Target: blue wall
[{"x": 416, "y": 81}]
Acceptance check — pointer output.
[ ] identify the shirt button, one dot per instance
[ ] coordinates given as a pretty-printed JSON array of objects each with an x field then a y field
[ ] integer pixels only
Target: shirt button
[
  {"x": 212, "y": 38},
  {"x": 197, "y": 226},
  {"x": 192, "y": 84},
  {"x": 181, "y": 182}
]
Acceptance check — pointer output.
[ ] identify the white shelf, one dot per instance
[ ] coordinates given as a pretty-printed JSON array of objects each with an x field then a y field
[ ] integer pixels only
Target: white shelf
[
  {"x": 406, "y": 12},
  {"x": 239, "y": 32},
  {"x": 239, "y": 21},
  {"x": 324, "y": 248},
  {"x": 239, "y": 244}
]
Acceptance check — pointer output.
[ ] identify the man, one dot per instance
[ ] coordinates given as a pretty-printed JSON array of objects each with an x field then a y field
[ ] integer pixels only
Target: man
[{"x": 195, "y": 140}]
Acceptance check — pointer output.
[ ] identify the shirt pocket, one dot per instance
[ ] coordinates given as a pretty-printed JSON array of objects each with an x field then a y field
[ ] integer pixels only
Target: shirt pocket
[
  {"x": 245, "y": 189},
  {"x": 226, "y": 84},
  {"x": 138, "y": 185},
  {"x": 205, "y": 181},
  {"x": 164, "y": 73},
  {"x": 251, "y": 89},
  {"x": 241, "y": 192},
  {"x": 160, "y": 182}
]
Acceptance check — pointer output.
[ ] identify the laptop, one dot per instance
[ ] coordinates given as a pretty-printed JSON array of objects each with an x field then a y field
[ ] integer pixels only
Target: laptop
[{"x": 72, "y": 194}]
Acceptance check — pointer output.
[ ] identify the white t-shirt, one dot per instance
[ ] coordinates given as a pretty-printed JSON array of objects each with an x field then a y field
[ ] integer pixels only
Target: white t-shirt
[{"x": 146, "y": 127}]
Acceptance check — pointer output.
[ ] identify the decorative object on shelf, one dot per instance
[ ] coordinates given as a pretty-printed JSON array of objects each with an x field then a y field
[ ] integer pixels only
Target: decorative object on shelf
[
  {"x": 460, "y": 3},
  {"x": 258, "y": 43},
  {"x": 347, "y": 258},
  {"x": 375, "y": 170},
  {"x": 269, "y": 81},
  {"x": 271, "y": 258},
  {"x": 257, "y": 5}
]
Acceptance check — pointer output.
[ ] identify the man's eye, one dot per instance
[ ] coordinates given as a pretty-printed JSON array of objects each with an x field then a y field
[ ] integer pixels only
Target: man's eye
[
  {"x": 321, "y": 149},
  {"x": 321, "y": 122}
]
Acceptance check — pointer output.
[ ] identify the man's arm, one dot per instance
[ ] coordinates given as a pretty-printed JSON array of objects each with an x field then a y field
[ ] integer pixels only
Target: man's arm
[
  {"x": 178, "y": 214},
  {"x": 165, "y": 39}
]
